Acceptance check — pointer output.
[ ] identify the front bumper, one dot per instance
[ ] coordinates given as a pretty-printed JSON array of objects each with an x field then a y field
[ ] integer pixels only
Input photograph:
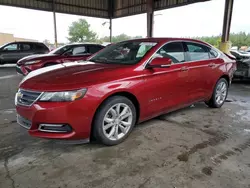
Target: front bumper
[
  {"x": 22, "y": 70},
  {"x": 70, "y": 113}
]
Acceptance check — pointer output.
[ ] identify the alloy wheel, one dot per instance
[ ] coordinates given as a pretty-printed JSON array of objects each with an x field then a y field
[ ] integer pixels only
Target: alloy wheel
[
  {"x": 117, "y": 121},
  {"x": 221, "y": 93}
]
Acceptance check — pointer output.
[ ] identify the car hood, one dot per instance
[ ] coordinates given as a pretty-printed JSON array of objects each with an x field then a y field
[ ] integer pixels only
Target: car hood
[
  {"x": 37, "y": 57},
  {"x": 70, "y": 76}
]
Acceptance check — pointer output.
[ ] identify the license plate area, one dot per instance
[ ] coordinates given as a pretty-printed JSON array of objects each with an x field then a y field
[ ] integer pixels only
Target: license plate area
[{"x": 25, "y": 123}]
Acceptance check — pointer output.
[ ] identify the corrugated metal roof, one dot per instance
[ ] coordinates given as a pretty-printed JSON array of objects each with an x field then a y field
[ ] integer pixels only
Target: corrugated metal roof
[
  {"x": 131, "y": 7},
  {"x": 164, "y": 4},
  {"x": 94, "y": 8},
  {"x": 97, "y": 8}
]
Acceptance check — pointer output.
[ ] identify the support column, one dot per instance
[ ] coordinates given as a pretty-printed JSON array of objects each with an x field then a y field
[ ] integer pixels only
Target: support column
[
  {"x": 110, "y": 30},
  {"x": 150, "y": 18},
  {"x": 111, "y": 15},
  {"x": 54, "y": 18},
  {"x": 225, "y": 44}
]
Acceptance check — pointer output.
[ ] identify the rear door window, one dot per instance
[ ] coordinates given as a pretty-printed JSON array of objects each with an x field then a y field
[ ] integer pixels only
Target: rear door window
[
  {"x": 79, "y": 50},
  {"x": 26, "y": 47},
  {"x": 197, "y": 52},
  {"x": 213, "y": 54},
  {"x": 174, "y": 51}
]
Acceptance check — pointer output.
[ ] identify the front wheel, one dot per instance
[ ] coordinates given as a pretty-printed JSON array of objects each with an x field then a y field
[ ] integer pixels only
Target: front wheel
[
  {"x": 114, "y": 120},
  {"x": 219, "y": 94}
]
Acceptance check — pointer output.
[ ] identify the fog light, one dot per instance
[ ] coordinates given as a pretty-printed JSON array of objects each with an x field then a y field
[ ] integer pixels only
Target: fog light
[{"x": 55, "y": 128}]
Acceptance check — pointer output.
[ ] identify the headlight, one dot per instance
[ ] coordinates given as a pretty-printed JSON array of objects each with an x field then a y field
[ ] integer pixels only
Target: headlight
[
  {"x": 63, "y": 96},
  {"x": 31, "y": 62}
]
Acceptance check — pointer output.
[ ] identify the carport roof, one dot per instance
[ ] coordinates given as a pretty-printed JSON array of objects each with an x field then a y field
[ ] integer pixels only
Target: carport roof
[{"x": 97, "y": 8}]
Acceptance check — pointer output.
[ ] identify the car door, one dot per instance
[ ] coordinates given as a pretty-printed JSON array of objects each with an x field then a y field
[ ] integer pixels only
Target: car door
[
  {"x": 167, "y": 88},
  {"x": 199, "y": 70},
  {"x": 10, "y": 53}
]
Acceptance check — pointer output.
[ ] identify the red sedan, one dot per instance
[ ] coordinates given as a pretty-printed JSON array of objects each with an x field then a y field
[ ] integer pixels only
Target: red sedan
[
  {"x": 67, "y": 53},
  {"x": 120, "y": 86}
]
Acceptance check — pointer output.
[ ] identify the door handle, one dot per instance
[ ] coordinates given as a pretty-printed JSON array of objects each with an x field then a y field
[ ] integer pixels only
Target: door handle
[
  {"x": 184, "y": 68},
  {"x": 211, "y": 65}
]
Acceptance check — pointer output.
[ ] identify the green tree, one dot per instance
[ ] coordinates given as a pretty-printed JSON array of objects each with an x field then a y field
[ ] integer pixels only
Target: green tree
[
  {"x": 237, "y": 39},
  {"x": 79, "y": 31},
  {"x": 118, "y": 38}
]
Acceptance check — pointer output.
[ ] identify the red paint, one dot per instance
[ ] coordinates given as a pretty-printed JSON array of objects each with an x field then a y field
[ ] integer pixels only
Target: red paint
[
  {"x": 158, "y": 90},
  {"x": 47, "y": 59}
]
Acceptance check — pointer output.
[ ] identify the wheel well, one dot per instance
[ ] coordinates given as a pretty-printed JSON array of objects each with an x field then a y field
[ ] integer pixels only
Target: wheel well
[
  {"x": 130, "y": 96},
  {"x": 227, "y": 79}
]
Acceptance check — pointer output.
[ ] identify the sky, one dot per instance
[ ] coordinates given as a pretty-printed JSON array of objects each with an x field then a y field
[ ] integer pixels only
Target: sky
[{"x": 200, "y": 19}]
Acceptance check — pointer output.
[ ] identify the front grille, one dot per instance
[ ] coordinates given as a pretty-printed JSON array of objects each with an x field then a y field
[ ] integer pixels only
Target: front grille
[{"x": 27, "y": 98}]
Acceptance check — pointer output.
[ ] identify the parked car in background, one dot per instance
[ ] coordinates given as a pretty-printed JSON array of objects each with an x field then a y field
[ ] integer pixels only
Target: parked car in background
[
  {"x": 240, "y": 54},
  {"x": 124, "y": 84},
  {"x": 12, "y": 52},
  {"x": 243, "y": 64},
  {"x": 67, "y": 53}
]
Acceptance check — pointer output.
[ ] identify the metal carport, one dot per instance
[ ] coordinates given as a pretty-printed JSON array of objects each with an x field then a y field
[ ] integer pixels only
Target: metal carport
[{"x": 111, "y": 9}]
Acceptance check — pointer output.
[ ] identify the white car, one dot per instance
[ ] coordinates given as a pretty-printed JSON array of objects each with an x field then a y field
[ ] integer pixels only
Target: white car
[{"x": 240, "y": 54}]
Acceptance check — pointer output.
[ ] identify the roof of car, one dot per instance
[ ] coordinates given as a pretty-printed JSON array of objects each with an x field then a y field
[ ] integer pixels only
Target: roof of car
[
  {"x": 27, "y": 42},
  {"x": 84, "y": 43},
  {"x": 168, "y": 39}
]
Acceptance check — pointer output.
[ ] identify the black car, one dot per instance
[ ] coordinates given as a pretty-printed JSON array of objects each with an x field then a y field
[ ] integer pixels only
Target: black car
[
  {"x": 243, "y": 65},
  {"x": 12, "y": 52}
]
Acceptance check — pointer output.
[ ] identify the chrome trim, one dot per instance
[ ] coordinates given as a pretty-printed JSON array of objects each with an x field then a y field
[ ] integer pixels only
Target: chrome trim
[
  {"x": 150, "y": 59},
  {"x": 30, "y": 90},
  {"x": 50, "y": 125},
  {"x": 18, "y": 121},
  {"x": 33, "y": 101}
]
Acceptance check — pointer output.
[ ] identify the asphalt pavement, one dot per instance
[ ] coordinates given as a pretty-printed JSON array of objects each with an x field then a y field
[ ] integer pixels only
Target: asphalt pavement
[{"x": 196, "y": 147}]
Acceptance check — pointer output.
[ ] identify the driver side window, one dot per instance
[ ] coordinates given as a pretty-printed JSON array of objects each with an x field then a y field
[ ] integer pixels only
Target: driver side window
[{"x": 174, "y": 51}]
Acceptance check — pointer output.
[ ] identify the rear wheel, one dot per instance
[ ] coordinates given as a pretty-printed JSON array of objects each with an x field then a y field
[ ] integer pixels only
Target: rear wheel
[
  {"x": 219, "y": 94},
  {"x": 114, "y": 120}
]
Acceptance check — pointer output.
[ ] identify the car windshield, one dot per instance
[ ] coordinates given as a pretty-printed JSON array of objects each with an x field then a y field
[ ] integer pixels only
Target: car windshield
[
  {"x": 61, "y": 50},
  {"x": 128, "y": 52}
]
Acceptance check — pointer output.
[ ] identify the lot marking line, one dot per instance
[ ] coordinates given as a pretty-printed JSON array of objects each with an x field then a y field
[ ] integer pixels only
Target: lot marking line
[{"x": 8, "y": 76}]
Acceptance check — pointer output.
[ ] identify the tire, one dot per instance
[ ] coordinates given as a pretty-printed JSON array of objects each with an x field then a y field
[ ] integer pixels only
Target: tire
[
  {"x": 213, "y": 103},
  {"x": 108, "y": 111}
]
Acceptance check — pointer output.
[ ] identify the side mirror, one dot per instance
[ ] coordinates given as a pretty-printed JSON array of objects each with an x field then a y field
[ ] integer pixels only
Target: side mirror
[{"x": 160, "y": 62}]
